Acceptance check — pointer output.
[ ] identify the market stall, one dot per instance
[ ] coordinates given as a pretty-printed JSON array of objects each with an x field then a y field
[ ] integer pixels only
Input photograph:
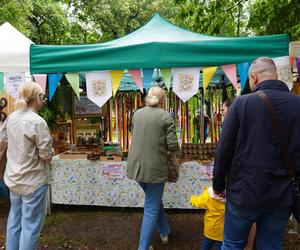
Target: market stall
[{"x": 195, "y": 71}]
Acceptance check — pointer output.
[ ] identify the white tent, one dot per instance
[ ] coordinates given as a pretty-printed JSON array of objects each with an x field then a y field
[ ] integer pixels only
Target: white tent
[{"x": 14, "y": 50}]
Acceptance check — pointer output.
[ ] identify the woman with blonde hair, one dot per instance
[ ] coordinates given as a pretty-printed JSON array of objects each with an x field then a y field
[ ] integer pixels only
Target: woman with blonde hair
[
  {"x": 153, "y": 135},
  {"x": 29, "y": 151}
]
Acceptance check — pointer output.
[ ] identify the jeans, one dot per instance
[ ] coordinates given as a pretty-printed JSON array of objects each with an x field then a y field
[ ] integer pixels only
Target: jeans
[
  {"x": 208, "y": 244},
  {"x": 270, "y": 227},
  {"x": 25, "y": 220},
  {"x": 154, "y": 214}
]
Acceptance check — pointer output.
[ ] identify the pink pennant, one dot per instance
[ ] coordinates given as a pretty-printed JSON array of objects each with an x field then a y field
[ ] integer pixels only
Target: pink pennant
[
  {"x": 137, "y": 77},
  {"x": 41, "y": 79},
  {"x": 230, "y": 72}
]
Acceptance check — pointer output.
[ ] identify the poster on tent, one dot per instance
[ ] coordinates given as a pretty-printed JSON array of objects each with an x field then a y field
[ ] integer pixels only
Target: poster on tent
[
  {"x": 186, "y": 82},
  {"x": 98, "y": 86},
  {"x": 12, "y": 83},
  {"x": 284, "y": 70}
]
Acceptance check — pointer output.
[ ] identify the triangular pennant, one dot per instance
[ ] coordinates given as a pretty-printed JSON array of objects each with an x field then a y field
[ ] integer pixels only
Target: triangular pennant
[
  {"x": 284, "y": 70},
  {"x": 208, "y": 73},
  {"x": 147, "y": 76},
  {"x": 137, "y": 77},
  {"x": 186, "y": 82},
  {"x": 230, "y": 72},
  {"x": 292, "y": 59},
  {"x": 298, "y": 67},
  {"x": 98, "y": 87},
  {"x": 166, "y": 74},
  {"x": 243, "y": 69},
  {"x": 116, "y": 76},
  {"x": 41, "y": 79},
  {"x": 53, "y": 80},
  {"x": 12, "y": 83},
  {"x": 73, "y": 79},
  {"x": 1, "y": 82}
]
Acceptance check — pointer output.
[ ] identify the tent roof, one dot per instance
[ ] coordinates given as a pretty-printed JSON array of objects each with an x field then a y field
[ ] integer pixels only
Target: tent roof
[
  {"x": 14, "y": 50},
  {"x": 158, "y": 44}
]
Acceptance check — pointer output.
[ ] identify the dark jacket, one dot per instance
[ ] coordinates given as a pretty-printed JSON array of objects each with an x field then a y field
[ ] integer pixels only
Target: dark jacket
[
  {"x": 153, "y": 134},
  {"x": 248, "y": 159}
]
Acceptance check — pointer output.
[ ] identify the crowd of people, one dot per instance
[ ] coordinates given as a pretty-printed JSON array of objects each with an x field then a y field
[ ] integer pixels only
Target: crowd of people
[{"x": 251, "y": 191}]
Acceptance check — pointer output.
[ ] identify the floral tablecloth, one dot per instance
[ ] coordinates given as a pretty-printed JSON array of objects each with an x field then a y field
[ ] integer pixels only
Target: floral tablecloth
[{"x": 84, "y": 182}]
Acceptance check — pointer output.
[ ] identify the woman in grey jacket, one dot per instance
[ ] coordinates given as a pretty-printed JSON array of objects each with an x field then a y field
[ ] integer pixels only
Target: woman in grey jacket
[{"x": 153, "y": 135}]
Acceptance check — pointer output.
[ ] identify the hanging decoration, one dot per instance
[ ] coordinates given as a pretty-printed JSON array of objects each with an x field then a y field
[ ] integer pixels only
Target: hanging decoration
[
  {"x": 41, "y": 79},
  {"x": 1, "y": 83},
  {"x": 186, "y": 82},
  {"x": 12, "y": 83},
  {"x": 98, "y": 86},
  {"x": 116, "y": 76},
  {"x": 208, "y": 73},
  {"x": 166, "y": 74},
  {"x": 298, "y": 67},
  {"x": 284, "y": 70},
  {"x": 147, "y": 76},
  {"x": 243, "y": 69},
  {"x": 230, "y": 72},
  {"x": 53, "y": 80},
  {"x": 73, "y": 79},
  {"x": 137, "y": 77}
]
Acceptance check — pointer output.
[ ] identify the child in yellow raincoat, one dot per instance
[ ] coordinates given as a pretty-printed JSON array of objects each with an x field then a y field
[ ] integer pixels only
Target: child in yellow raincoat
[{"x": 213, "y": 218}]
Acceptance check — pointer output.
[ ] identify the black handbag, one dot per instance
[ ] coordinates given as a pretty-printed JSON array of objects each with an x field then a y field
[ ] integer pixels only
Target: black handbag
[{"x": 284, "y": 149}]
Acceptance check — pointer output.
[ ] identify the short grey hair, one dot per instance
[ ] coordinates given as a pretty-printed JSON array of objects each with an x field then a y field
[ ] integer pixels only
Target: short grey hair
[{"x": 263, "y": 65}]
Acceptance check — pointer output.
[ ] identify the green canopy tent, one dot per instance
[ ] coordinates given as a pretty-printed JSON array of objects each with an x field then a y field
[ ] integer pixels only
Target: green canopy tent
[{"x": 158, "y": 44}]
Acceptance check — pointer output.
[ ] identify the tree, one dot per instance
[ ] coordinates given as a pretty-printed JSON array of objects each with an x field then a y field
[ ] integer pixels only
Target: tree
[
  {"x": 113, "y": 19},
  {"x": 268, "y": 17},
  {"x": 225, "y": 18}
]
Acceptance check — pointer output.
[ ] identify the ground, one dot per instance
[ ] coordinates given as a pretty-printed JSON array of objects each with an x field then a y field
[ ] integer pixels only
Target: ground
[{"x": 80, "y": 227}]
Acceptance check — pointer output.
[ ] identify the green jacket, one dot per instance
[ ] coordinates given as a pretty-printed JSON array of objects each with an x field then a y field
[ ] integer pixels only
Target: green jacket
[{"x": 153, "y": 134}]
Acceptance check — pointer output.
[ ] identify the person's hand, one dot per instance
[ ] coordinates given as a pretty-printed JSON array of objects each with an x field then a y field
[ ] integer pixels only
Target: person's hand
[{"x": 220, "y": 194}]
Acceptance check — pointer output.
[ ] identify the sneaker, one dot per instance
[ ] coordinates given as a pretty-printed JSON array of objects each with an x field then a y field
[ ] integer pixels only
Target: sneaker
[
  {"x": 165, "y": 239},
  {"x": 151, "y": 248}
]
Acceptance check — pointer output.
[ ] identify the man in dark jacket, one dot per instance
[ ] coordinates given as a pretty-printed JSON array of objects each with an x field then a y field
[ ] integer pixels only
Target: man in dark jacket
[{"x": 249, "y": 164}]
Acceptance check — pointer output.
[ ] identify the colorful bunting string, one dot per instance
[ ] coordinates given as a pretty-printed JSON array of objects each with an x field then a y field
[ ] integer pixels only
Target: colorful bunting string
[
  {"x": 243, "y": 69},
  {"x": 73, "y": 79},
  {"x": 137, "y": 77},
  {"x": 166, "y": 74},
  {"x": 116, "y": 76},
  {"x": 1, "y": 82},
  {"x": 230, "y": 72},
  {"x": 147, "y": 75},
  {"x": 208, "y": 73},
  {"x": 53, "y": 80},
  {"x": 41, "y": 79}
]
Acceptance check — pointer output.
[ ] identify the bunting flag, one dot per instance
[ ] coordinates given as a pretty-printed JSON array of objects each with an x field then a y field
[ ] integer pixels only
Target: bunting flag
[
  {"x": 298, "y": 67},
  {"x": 137, "y": 77},
  {"x": 292, "y": 59},
  {"x": 230, "y": 72},
  {"x": 41, "y": 79},
  {"x": 243, "y": 69},
  {"x": 13, "y": 81},
  {"x": 98, "y": 86},
  {"x": 73, "y": 79},
  {"x": 208, "y": 73},
  {"x": 1, "y": 83},
  {"x": 166, "y": 74},
  {"x": 284, "y": 70},
  {"x": 186, "y": 82},
  {"x": 116, "y": 76},
  {"x": 53, "y": 80},
  {"x": 147, "y": 75}
]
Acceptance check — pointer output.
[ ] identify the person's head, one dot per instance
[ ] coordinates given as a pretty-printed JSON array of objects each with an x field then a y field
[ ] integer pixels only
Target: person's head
[
  {"x": 156, "y": 97},
  {"x": 263, "y": 68},
  {"x": 225, "y": 107},
  {"x": 30, "y": 96}
]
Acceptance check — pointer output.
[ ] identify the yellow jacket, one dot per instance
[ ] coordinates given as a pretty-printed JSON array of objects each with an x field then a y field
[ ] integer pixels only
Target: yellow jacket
[{"x": 214, "y": 214}]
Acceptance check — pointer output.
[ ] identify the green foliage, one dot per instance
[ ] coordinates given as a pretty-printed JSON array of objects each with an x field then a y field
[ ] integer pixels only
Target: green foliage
[
  {"x": 268, "y": 17},
  {"x": 215, "y": 17}
]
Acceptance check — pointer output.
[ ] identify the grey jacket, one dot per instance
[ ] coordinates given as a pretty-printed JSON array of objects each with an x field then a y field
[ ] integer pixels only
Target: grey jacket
[{"x": 153, "y": 134}]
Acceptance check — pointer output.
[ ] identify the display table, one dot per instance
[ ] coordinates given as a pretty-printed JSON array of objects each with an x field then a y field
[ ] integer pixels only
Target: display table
[{"x": 84, "y": 182}]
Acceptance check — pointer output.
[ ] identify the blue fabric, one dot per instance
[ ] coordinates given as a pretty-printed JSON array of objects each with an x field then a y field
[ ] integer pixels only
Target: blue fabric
[
  {"x": 248, "y": 153},
  {"x": 270, "y": 227},
  {"x": 154, "y": 214},
  {"x": 25, "y": 220},
  {"x": 147, "y": 77},
  {"x": 243, "y": 69},
  {"x": 53, "y": 80},
  {"x": 4, "y": 192},
  {"x": 208, "y": 244}
]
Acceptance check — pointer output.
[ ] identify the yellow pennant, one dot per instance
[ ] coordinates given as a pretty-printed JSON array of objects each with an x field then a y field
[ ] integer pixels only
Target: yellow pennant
[
  {"x": 208, "y": 73},
  {"x": 116, "y": 76}
]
